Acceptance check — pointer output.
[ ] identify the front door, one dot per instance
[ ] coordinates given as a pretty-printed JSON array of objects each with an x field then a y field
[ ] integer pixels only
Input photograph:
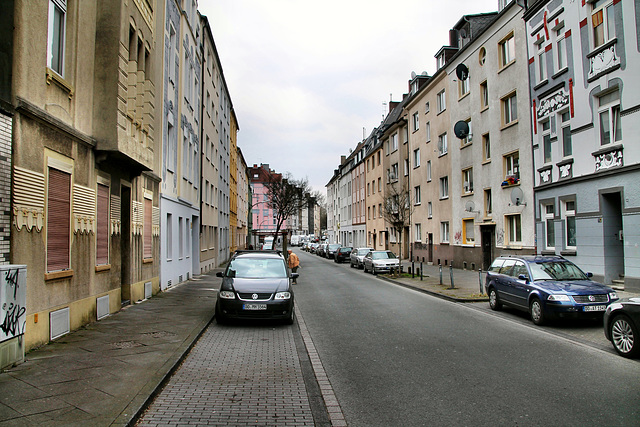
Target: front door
[
  {"x": 613, "y": 237},
  {"x": 488, "y": 238},
  {"x": 125, "y": 244},
  {"x": 430, "y": 248}
]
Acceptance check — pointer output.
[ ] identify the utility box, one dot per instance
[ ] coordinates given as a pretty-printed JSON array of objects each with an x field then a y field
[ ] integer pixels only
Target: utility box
[{"x": 13, "y": 313}]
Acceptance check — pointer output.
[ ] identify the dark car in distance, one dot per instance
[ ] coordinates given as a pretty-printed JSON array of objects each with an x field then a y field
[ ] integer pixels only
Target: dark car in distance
[
  {"x": 545, "y": 286},
  {"x": 342, "y": 254},
  {"x": 622, "y": 326},
  {"x": 256, "y": 285},
  {"x": 331, "y": 249}
]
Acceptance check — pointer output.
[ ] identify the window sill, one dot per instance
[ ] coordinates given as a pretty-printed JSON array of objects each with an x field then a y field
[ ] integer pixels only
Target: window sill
[
  {"x": 541, "y": 84},
  {"x": 467, "y": 194},
  {"x": 56, "y": 275},
  {"x": 463, "y": 96},
  {"x": 569, "y": 252},
  {"x": 104, "y": 267},
  {"x": 486, "y": 162},
  {"x": 560, "y": 72},
  {"x": 508, "y": 125},
  {"x": 463, "y": 145},
  {"x": 485, "y": 108},
  {"x": 52, "y": 76},
  {"x": 147, "y": 260},
  {"x": 506, "y": 66},
  {"x": 440, "y": 112}
]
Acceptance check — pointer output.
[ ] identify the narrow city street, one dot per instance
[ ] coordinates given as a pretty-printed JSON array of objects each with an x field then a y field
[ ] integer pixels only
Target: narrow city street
[{"x": 394, "y": 356}]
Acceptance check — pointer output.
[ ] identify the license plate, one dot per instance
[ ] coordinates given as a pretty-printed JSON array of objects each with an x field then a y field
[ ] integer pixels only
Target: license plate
[
  {"x": 254, "y": 307},
  {"x": 595, "y": 308}
]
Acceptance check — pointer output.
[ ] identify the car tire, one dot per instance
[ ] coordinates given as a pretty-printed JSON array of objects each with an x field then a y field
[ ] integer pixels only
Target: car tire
[
  {"x": 494, "y": 301},
  {"x": 289, "y": 320},
  {"x": 624, "y": 336},
  {"x": 537, "y": 313},
  {"x": 221, "y": 320}
]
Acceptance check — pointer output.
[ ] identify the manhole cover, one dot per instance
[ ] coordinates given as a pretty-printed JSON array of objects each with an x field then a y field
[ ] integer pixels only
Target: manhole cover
[
  {"x": 126, "y": 344},
  {"x": 159, "y": 334}
]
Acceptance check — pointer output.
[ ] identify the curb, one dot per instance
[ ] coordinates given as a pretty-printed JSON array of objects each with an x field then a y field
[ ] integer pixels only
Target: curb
[{"x": 432, "y": 293}]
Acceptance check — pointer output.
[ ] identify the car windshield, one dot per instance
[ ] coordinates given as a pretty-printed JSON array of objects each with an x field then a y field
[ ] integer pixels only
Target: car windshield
[
  {"x": 556, "y": 270},
  {"x": 383, "y": 255},
  {"x": 345, "y": 249},
  {"x": 363, "y": 251},
  {"x": 255, "y": 268},
  {"x": 333, "y": 247}
]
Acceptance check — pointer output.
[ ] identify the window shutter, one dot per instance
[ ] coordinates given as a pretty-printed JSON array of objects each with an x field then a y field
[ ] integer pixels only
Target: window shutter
[
  {"x": 58, "y": 220},
  {"x": 148, "y": 236},
  {"x": 102, "y": 234}
]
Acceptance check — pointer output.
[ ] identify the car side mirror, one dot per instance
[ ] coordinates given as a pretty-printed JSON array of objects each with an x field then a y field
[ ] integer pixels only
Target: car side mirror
[
  {"x": 589, "y": 275},
  {"x": 219, "y": 274},
  {"x": 523, "y": 277}
]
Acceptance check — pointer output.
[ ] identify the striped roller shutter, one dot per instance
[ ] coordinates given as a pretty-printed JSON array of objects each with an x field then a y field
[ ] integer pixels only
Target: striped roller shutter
[
  {"x": 58, "y": 220},
  {"x": 148, "y": 223},
  {"x": 102, "y": 232}
]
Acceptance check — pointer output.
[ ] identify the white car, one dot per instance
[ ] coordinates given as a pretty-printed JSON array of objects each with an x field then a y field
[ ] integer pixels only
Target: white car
[
  {"x": 357, "y": 256},
  {"x": 380, "y": 261}
]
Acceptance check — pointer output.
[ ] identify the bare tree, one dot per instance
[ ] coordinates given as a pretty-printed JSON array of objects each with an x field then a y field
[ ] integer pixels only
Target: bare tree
[
  {"x": 286, "y": 196},
  {"x": 397, "y": 210}
]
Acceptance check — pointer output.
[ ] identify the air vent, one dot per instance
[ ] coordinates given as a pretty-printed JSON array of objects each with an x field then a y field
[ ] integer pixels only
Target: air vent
[
  {"x": 168, "y": 283},
  {"x": 59, "y": 323},
  {"x": 148, "y": 290},
  {"x": 102, "y": 307},
  {"x": 180, "y": 279}
]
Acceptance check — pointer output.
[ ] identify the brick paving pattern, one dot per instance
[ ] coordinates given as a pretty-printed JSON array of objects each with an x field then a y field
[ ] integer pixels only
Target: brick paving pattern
[{"x": 236, "y": 375}]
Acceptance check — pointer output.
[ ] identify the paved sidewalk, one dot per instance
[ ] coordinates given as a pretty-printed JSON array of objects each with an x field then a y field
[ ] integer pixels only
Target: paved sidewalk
[{"x": 104, "y": 373}]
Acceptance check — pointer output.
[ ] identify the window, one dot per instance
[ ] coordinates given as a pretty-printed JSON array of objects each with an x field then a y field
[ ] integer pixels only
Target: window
[
  {"x": 567, "y": 149},
  {"x": 417, "y": 196},
  {"x": 561, "y": 50},
  {"x": 169, "y": 237},
  {"x": 380, "y": 209},
  {"x": 56, "y": 39},
  {"x": 467, "y": 231},
  {"x": 441, "y": 101},
  {"x": 379, "y": 184},
  {"x": 180, "y": 239},
  {"x": 374, "y": 211},
  {"x": 418, "y": 233},
  {"x": 484, "y": 95},
  {"x": 546, "y": 140},
  {"x": 426, "y": 108},
  {"x": 368, "y": 190},
  {"x": 416, "y": 121},
  {"x": 442, "y": 144},
  {"x": 570, "y": 223},
  {"x": 416, "y": 158},
  {"x": 428, "y": 130},
  {"x": 102, "y": 225},
  {"x": 463, "y": 87},
  {"x": 393, "y": 175},
  {"x": 467, "y": 139},
  {"x": 369, "y": 212},
  {"x": 507, "y": 50},
  {"x": 429, "y": 210},
  {"x": 440, "y": 61},
  {"x": 488, "y": 208},
  {"x": 542, "y": 63},
  {"x": 444, "y": 232},
  {"x": 467, "y": 181},
  {"x": 514, "y": 229},
  {"x": 406, "y": 167},
  {"x": 549, "y": 226},
  {"x": 58, "y": 220},
  {"x": 486, "y": 147},
  {"x": 444, "y": 187},
  {"x": 394, "y": 142},
  {"x": 609, "y": 112},
  {"x": 511, "y": 166},
  {"x": 482, "y": 56},
  {"x": 509, "y": 109},
  {"x": 147, "y": 243},
  {"x": 428, "y": 170},
  {"x": 603, "y": 22}
]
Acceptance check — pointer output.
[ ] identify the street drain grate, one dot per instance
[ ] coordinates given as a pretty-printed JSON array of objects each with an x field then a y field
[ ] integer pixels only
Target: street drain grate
[
  {"x": 125, "y": 344},
  {"x": 159, "y": 334}
]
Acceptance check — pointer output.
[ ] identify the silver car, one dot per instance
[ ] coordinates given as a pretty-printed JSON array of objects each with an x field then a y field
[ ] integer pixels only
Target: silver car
[
  {"x": 357, "y": 256},
  {"x": 380, "y": 261}
]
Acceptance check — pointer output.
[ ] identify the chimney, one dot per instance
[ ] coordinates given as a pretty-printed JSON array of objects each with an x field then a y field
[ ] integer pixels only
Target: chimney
[
  {"x": 342, "y": 159},
  {"x": 453, "y": 38},
  {"x": 392, "y": 105}
]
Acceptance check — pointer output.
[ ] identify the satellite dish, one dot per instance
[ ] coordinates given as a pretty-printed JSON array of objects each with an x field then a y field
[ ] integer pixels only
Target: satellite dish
[
  {"x": 517, "y": 196},
  {"x": 463, "y": 33},
  {"x": 413, "y": 75},
  {"x": 461, "y": 129},
  {"x": 462, "y": 72},
  {"x": 470, "y": 206}
]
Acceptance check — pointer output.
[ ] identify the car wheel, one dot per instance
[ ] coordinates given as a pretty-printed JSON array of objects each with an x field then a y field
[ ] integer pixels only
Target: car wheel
[
  {"x": 537, "y": 314},
  {"x": 624, "y": 336},
  {"x": 221, "y": 320},
  {"x": 494, "y": 302}
]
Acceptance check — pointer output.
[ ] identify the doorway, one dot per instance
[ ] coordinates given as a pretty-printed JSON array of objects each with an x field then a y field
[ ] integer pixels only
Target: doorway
[
  {"x": 430, "y": 248},
  {"x": 488, "y": 239},
  {"x": 613, "y": 237},
  {"x": 125, "y": 244}
]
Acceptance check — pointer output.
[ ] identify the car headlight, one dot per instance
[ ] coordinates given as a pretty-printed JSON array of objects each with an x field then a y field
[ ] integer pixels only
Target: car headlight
[
  {"x": 558, "y": 298},
  {"x": 612, "y": 296},
  {"x": 227, "y": 295},
  {"x": 283, "y": 295}
]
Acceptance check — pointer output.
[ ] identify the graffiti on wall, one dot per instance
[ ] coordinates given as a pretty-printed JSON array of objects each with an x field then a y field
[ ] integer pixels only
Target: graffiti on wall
[{"x": 13, "y": 298}]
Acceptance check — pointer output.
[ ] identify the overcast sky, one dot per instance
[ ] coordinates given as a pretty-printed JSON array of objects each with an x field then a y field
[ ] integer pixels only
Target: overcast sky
[{"x": 305, "y": 77}]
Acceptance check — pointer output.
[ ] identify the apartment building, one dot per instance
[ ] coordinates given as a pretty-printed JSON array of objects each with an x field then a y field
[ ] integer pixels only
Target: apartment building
[
  {"x": 85, "y": 189},
  {"x": 333, "y": 209},
  {"x": 180, "y": 196},
  {"x": 358, "y": 204},
  {"x": 375, "y": 176},
  {"x": 585, "y": 98},
  {"x": 244, "y": 198}
]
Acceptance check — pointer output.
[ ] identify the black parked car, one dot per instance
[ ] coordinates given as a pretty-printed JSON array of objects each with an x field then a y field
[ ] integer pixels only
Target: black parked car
[
  {"x": 622, "y": 326},
  {"x": 342, "y": 254},
  {"x": 331, "y": 249},
  {"x": 256, "y": 285},
  {"x": 546, "y": 287}
]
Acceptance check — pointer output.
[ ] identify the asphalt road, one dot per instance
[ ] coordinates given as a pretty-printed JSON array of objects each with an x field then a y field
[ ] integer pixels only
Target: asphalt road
[{"x": 399, "y": 357}]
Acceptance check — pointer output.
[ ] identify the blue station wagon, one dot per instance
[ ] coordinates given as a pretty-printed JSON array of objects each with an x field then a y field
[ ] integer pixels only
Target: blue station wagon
[{"x": 545, "y": 286}]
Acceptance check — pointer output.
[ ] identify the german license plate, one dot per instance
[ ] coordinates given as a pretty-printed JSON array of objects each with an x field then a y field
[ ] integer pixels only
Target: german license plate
[
  {"x": 595, "y": 308},
  {"x": 254, "y": 307}
]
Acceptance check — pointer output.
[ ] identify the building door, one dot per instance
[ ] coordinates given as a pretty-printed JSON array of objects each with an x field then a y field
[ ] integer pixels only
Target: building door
[
  {"x": 430, "y": 248},
  {"x": 125, "y": 244},
  {"x": 488, "y": 239},
  {"x": 613, "y": 237}
]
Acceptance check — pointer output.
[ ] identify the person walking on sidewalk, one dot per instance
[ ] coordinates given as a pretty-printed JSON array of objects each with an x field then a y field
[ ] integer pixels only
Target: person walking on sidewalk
[{"x": 294, "y": 263}]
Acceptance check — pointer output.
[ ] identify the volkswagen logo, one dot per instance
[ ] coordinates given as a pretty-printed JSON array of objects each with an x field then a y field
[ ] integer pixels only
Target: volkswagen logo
[
  {"x": 254, "y": 296},
  {"x": 592, "y": 298}
]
